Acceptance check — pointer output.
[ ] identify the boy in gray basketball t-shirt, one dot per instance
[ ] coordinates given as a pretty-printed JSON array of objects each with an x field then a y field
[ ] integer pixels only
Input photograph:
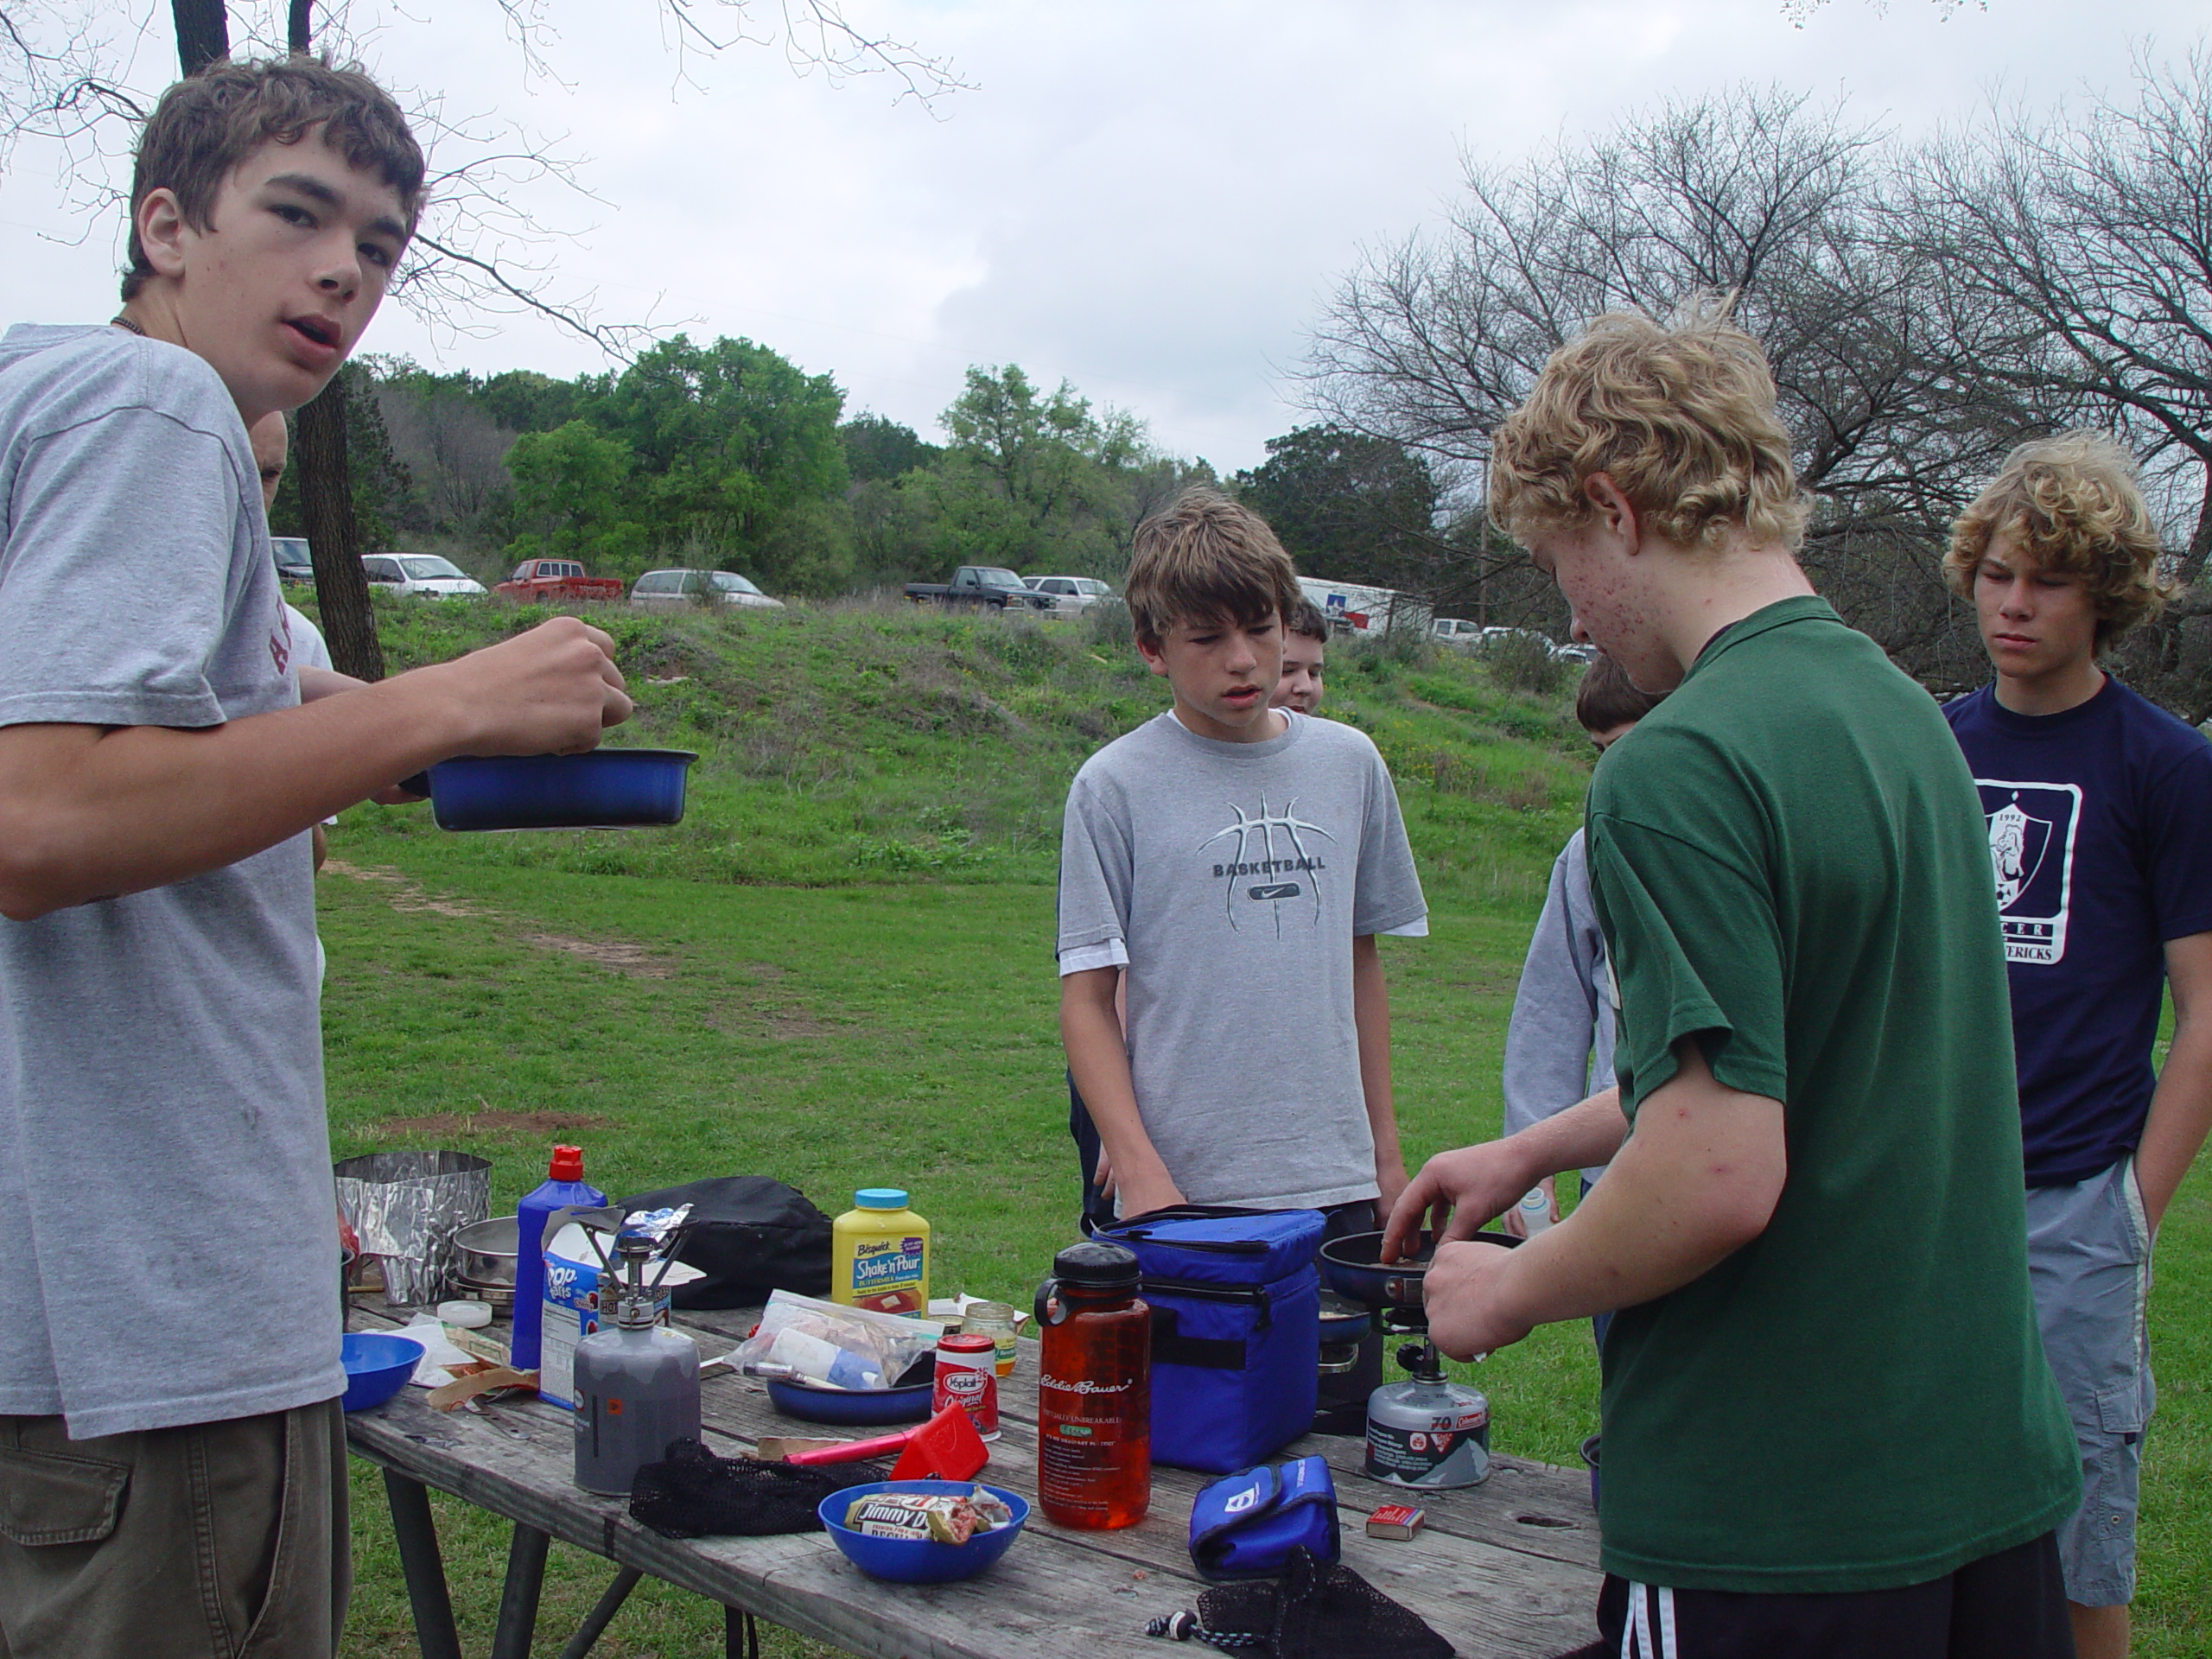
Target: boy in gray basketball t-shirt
[{"x": 1236, "y": 861}]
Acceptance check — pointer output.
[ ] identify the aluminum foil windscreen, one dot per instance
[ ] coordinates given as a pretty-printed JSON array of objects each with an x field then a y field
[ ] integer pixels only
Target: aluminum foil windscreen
[{"x": 406, "y": 1207}]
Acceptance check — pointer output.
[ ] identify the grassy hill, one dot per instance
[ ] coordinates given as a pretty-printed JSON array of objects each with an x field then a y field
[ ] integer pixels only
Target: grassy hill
[{"x": 871, "y": 744}]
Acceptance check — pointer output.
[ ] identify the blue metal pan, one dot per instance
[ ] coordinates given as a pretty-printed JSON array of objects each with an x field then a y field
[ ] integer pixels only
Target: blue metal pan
[
  {"x": 853, "y": 1408},
  {"x": 606, "y": 789}
]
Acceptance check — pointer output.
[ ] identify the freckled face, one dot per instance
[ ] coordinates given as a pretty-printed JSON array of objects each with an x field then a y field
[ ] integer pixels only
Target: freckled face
[{"x": 1603, "y": 582}]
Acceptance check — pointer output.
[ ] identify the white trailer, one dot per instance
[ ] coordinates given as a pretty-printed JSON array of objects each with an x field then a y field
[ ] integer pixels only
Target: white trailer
[{"x": 1373, "y": 611}]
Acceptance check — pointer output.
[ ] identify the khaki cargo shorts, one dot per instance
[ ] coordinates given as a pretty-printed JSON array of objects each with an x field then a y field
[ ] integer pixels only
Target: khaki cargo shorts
[
  {"x": 212, "y": 1540},
  {"x": 2090, "y": 1266}
]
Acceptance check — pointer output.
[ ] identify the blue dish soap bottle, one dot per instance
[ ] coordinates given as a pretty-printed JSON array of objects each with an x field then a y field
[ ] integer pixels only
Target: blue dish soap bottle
[{"x": 564, "y": 1185}]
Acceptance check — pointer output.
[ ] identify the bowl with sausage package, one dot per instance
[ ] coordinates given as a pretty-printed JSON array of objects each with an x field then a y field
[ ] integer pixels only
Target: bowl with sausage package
[{"x": 922, "y": 1531}]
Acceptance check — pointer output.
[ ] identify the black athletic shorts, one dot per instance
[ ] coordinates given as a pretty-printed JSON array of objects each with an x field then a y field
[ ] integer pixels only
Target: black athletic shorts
[{"x": 2009, "y": 1605}]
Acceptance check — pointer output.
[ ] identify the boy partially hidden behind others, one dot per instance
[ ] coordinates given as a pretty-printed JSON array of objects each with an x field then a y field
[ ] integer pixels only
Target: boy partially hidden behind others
[
  {"x": 1237, "y": 860},
  {"x": 1305, "y": 644}
]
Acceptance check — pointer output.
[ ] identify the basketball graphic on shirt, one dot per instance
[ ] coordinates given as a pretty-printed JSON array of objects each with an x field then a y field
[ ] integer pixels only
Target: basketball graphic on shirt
[
  {"x": 2031, "y": 855},
  {"x": 1270, "y": 861}
]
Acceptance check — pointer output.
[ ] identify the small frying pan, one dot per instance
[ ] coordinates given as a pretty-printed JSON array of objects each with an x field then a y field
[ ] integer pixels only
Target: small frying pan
[{"x": 1350, "y": 1267}]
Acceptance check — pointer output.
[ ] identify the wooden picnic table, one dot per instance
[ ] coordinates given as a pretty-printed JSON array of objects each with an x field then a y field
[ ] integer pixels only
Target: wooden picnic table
[{"x": 1507, "y": 1568}]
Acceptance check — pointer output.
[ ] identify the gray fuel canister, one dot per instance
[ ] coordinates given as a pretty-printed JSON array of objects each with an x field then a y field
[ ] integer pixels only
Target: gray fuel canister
[
  {"x": 1428, "y": 1433},
  {"x": 637, "y": 1385}
]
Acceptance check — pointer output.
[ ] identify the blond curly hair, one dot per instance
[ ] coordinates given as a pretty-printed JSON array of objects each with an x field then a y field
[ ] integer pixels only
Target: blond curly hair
[
  {"x": 1680, "y": 416},
  {"x": 2071, "y": 503}
]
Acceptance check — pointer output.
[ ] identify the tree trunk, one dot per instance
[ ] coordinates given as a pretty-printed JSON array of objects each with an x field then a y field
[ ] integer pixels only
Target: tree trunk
[
  {"x": 341, "y": 590},
  {"x": 341, "y": 587},
  {"x": 203, "y": 33}
]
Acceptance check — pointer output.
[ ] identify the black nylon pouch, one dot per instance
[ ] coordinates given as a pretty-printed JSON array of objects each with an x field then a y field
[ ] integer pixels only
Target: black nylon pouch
[{"x": 750, "y": 1235}]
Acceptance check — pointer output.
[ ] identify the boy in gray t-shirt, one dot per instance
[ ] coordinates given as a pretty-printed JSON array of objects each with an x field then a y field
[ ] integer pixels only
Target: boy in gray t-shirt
[
  {"x": 172, "y": 1462},
  {"x": 1236, "y": 862}
]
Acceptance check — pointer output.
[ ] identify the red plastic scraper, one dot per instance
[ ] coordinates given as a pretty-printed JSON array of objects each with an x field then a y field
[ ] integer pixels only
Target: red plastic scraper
[{"x": 947, "y": 1447}]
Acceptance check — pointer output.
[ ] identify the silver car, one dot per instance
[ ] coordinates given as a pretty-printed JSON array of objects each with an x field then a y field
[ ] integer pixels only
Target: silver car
[
  {"x": 673, "y": 590},
  {"x": 1071, "y": 596},
  {"x": 424, "y": 575}
]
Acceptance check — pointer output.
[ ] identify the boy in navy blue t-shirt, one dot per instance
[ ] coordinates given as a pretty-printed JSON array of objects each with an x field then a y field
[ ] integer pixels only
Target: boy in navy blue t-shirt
[{"x": 2100, "y": 809}]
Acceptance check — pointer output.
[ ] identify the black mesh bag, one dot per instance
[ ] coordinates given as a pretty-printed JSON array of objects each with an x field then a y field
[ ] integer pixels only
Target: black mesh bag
[
  {"x": 691, "y": 1493},
  {"x": 1313, "y": 1611}
]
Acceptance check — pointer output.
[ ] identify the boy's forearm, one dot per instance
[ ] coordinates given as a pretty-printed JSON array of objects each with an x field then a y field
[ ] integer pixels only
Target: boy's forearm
[
  {"x": 2181, "y": 1108},
  {"x": 1370, "y": 1013},
  {"x": 1098, "y": 1060},
  {"x": 90, "y": 812},
  {"x": 1699, "y": 1181}
]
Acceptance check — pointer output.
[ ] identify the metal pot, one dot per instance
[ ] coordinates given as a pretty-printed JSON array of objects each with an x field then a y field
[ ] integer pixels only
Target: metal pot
[
  {"x": 484, "y": 1252},
  {"x": 1352, "y": 1267}
]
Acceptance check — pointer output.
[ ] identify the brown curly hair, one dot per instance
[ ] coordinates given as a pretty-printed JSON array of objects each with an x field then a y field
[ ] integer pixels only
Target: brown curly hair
[
  {"x": 1680, "y": 416},
  {"x": 1205, "y": 558},
  {"x": 2072, "y": 503}
]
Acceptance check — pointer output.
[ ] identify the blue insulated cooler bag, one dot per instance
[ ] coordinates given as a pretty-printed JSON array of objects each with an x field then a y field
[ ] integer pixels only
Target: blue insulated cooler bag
[
  {"x": 1236, "y": 1329},
  {"x": 1246, "y": 1526}
]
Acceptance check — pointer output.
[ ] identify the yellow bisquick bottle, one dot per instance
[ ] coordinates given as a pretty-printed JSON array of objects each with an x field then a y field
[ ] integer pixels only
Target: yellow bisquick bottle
[{"x": 880, "y": 1254}]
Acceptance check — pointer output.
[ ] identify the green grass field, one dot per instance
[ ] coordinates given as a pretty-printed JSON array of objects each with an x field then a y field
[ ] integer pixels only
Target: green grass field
[{"x": 838, "y": 971}]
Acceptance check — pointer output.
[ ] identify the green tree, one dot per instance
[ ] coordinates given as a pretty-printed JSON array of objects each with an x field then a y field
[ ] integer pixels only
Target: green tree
[
  {"x": 1347, "y": 507},
  {"x": 522, "y": 400},
  {"x": 574, "y": 498},
  {"x": 1032, "y": 478},
  {"x": 730, "y": 442},
  {"x": 877, "y": 449}
]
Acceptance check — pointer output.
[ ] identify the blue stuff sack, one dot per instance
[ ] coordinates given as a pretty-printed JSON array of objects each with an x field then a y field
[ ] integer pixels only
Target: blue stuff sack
[
  {"x": 1245, "y": 1527},
  {"x": 1236, "y": 1329}
]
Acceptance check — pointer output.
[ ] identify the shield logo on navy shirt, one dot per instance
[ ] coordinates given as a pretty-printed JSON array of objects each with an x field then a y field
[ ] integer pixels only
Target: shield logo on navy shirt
[
  {"x": 2031, "y": 829},
  {"x": 2016, "y": 845}
]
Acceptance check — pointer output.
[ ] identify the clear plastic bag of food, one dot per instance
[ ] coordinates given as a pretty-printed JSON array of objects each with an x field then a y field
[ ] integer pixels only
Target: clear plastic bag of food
[{"x": 801, "y": 1339}]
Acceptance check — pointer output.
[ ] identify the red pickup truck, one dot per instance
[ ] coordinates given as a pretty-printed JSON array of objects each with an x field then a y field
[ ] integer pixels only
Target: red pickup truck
[{"x": 557, "y": 580}]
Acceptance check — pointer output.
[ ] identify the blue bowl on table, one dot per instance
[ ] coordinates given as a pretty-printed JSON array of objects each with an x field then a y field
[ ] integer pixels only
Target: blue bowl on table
[
  {"x": 920, "y": 1561},
  {"x": 606, "y": 789},
  {"x": 850, "y": 1407},
  {"x": 377, "y": 1366}
]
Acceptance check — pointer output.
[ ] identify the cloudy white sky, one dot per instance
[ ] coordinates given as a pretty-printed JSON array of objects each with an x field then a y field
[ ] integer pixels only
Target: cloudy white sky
[{"x": 1150, "y": 198}]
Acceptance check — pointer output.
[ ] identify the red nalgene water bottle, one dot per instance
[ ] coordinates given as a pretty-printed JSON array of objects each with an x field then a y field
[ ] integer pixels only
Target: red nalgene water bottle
[{"x": 1094, "y": 1389}]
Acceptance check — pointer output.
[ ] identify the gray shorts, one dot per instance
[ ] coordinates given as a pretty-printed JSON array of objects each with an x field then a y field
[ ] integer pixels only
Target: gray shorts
[
  {"x": 2090, "y": 1264},
  {"x": 213, "y": 1540}
]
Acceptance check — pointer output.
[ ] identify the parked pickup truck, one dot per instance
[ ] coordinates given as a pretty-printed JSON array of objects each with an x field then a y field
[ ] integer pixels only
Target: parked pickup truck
[
  {"x": 557, "y": 580},
  {"x": 980, "y": 584}
]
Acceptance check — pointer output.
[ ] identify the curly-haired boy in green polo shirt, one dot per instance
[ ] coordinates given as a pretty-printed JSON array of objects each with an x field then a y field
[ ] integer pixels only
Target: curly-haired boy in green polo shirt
[{"x": 1829, "y": 1422}]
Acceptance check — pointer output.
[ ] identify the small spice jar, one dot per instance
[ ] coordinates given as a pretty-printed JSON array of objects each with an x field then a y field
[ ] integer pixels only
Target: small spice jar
[{"x": 996, "y": 1321}]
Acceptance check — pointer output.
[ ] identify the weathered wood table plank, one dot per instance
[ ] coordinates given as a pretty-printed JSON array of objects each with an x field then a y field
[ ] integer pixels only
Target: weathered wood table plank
[{"x": 1508, "y": 1567}]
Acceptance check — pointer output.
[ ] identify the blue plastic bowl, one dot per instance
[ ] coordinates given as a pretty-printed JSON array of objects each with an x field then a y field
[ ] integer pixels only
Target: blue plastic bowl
[
  {"x": 850, "y": 1407},
  {"x": 923, "y": 1560},
  {"x": 376, "y": 1367},
  {"x": 606, "y": 789}
]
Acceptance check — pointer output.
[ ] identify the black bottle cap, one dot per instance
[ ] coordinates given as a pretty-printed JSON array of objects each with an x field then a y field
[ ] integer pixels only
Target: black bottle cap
[{"x": 1095, "y": 1264}]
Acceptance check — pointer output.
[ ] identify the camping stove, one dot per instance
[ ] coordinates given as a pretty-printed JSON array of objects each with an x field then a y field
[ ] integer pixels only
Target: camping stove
[{"x": 1428, "y": 1431}]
